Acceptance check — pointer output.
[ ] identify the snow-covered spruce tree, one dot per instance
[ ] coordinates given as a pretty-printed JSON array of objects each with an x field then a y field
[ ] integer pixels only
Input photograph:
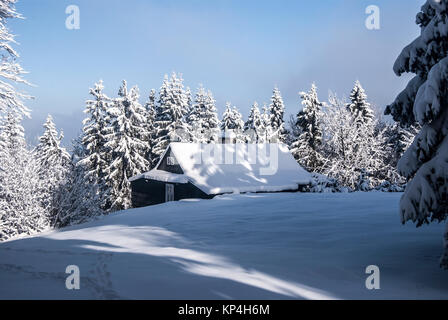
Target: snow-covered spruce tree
[
  {"x": 194, "y": 118},
  {"x": 180, "y": 105},
  {"x": 228, "y": 123},
  {"x": 171, "y": 110},
  {"x": 253, "y": 125},
  {"x": 53, "y": 162},
  {"x": 96, "y": 156},
  {"x": 307, "y": 148},
  {"x": 239, "y": 126},
  {"x": 127, "y": 144},
  {"x": 150, "y": 108},
  {"x": 138, "y": 116},
  {"x": 203, "y": 122},
  {"x": 211, "y": 120},
  {"x": 369, "y": 141},
  {"x": 277, "y": 111},
  {"x": 425, "y": 100},
  {"x": 10, "y": 70},
  {"x": 266, "y": 131},
  {"x": 359, "y": 107},
  {"x": 20, "y": 206},
  {"x": 232, "y": 124},
  {"x": 228, "y": 120},
  {"x": 189, "y": 101},
  {"x": 162, "y": 120},
  {"x": 80, "y": 200}
]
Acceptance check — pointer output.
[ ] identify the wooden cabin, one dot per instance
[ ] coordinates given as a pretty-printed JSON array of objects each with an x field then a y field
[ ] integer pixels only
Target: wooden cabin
[{"x": 193, "y": 170}]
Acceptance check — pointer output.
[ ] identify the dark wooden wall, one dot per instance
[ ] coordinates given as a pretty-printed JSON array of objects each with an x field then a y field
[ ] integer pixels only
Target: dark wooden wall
[{"x": 147, "y": 192}]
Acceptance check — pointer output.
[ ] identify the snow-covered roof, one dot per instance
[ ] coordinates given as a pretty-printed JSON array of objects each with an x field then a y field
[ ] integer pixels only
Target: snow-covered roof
[
  {"x": 233, "y": 168},
  {"x": 164, "y": 176}
]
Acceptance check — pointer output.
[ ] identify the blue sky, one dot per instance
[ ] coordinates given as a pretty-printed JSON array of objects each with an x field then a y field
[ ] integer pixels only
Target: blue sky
[{"x": 238, "y": 49}]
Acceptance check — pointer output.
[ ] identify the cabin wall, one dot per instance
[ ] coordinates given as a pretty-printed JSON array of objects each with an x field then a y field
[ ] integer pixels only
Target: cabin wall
[{"x": 147, "y": 192}]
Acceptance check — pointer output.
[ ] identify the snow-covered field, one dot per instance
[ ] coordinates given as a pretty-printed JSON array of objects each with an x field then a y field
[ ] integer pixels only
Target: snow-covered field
[{"x": 259, "y": 246}]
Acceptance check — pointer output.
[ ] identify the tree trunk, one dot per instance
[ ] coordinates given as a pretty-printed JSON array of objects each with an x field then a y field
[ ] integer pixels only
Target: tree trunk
[{"x": 444, "y": 259}]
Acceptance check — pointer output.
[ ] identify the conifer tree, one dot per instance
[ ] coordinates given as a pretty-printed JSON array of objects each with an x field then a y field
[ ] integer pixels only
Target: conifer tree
[
  {"x": 203, "y": 122},
  {"x": 195, "y": 118},
  {"x": 53, "y": 161},
  {"x": 189, "y": 101},
  {"x": 150, "y": 107},
  {"x": 307, "y": 148},
  {"x": 94, "y": 134},
  {"x": 277, "y": 111},
  {"x": 11, "y": 71},
  {"x": 232, "y": 124},
  {"x": 228, "y": 120},
  {"x": 171, "y": 110},
  {"x": 21, "y": 210},
  {"x": 126, "y": 142},
  {"x": 425, "y": 100},
  {"x": 211, "y": 120},
  {"x": 80, "y": 200},
  {"x": 266, "y": 130},
  {"x": 358, "y": 105},
  {"x": 20, "y": 207},
  {"x": 238, "y": 126},
  {"x": 253, "y": 125}
]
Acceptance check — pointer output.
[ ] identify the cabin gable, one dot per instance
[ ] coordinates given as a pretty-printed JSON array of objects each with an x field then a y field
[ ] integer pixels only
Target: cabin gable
[{"x": 169, "y": 163}]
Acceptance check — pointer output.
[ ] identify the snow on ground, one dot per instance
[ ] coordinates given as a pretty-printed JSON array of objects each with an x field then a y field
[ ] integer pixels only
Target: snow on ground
[{"x": 255, "y": 246}]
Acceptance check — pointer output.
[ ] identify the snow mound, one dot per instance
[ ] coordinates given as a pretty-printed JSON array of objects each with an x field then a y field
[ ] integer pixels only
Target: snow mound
[{"x": 253, "y": 246}]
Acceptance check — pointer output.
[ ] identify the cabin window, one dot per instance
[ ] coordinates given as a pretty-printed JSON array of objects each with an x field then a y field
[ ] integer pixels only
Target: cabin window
[{"x": 171, "y": 161}]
